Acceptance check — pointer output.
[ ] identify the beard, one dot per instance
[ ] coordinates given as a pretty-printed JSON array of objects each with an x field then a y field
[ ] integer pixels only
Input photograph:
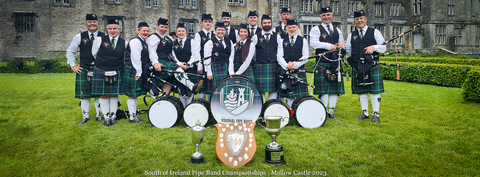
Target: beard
[{"x": 267, "y": 28}]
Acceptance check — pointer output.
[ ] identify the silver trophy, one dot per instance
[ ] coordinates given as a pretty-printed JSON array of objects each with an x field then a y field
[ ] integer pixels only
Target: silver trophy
[
  {"x": 273, "y": 151},
  {"x": 196, "y": 136}
]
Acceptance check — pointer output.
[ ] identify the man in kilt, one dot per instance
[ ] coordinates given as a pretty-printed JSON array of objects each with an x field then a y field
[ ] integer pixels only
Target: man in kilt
[
  {"x": 109, "y": 52},
  {"x": 136, "y": 57},
  {"x": 83, "y": 88},
  {"x": 366, "y": 40},
  {"x": 184, "y": 51},
  {"x": 281, "y": 30},
  {"x": 325, "y": 38},
  {"x": 266, "y": 59},
  {"x": 160, "y": 47},
  {"x": 201, "y": 38},
  {"x": 219, "y": 48},
  {"x": 239, "y": 62},
  {"x": 230, "y": 32},
  {"x": 289, "y": 51},
  {"x": 252, "y": 19}
]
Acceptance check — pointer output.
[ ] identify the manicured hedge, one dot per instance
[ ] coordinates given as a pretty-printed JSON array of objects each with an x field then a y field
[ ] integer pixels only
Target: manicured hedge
[
  {"x": 438, "y": 60},
  {"x": 471, "y": 88},
  {"x": 36, "y": 66}
]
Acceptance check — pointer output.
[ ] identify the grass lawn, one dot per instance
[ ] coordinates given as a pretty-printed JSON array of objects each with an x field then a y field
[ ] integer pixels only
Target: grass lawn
[{"x": 425, "y": 130}]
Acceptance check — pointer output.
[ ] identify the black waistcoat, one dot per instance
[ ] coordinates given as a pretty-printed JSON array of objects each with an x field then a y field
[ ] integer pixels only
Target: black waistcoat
[
  {"x": 291, "y": 54},
  {"x": 86, "y": 56},
  {"x": 239, "y": 54},
  {"x": 203, "y": 40},
  {"x": 266, "y": 51},
  {"x": 164, "y": 46},
  {"x": 359, "y": 44},
  {"x": 183, "y": 54},
  {"x": 109, "y": 59},
  {"x": 325, "y": 37},
  {"x": 280, "y": 31},
  {"x": 221, "y": 55},
  {"x": 144, "y": 54},
  {"x": 231, "y": 35}
]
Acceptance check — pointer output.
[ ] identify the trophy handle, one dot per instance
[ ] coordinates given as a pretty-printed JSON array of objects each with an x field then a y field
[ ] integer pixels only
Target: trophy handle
[
  {"x": 283, "y": 120},
  {"x": 260, "y": 123}
]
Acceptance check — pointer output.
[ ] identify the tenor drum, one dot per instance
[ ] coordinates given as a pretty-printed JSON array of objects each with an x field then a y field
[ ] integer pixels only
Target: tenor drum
[
  {"x": 309, "y": 112},
  {"x": 165, "y": 112},
  {"x": 197, "y": 110},
  {"x": 236, "y": 99},
  {"x": 275, "y": 107}
]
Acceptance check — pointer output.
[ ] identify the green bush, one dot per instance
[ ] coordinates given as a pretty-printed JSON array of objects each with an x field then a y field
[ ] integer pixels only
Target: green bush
[
  {"x": 445, "y": 60},
  {"x": 471, "y": 88},
  {"x": 57, "y": 65}
]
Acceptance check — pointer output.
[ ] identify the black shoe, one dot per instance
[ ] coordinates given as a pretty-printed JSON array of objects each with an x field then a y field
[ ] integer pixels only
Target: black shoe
[
  {"x": 112, "y": 120},
  {"x": 331, "y": 115},
  {"x": 107, "y": 123},
  {"x": 135, "y": 119},
  {"x": 84, "y": 120},
  {"x": 376, "y": 118},
  {"x": 363, "y": 116},
  {"x": 99, "y": 119},
  {"x": 197, "y": 87}
]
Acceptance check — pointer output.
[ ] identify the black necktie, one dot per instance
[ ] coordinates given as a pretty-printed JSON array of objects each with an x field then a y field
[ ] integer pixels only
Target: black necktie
[
  {"x": 267, "y": 37},
  {"x": 181, "y": 44},
  {"x": 208, "y": 35},
  {"x": 330, "y": 31},
  {"x": 291, "y": 41},
  {"x": 221, "y": 43},
  {"x": 361, "y": 33},
  {"x": 91, "y": 38},
  {"x": 251, "y": 33},
  {"x": 113, "y": 43},
  {"x": 241, "y": 44},
  {"x": 226, "y": 32},
  {"x": 284, "y": 29}
]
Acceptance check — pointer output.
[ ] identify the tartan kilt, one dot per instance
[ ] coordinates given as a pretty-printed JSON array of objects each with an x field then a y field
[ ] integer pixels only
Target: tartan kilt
[
  {"x": 299, "y": 89},
  {"x": 265, "y": 77},
  {"x": 167, "y": 76},
  {"x": 375, "y": 88},
  {"x": 322, "y": 85},
  {"x": 83, "y": 89},
  {"x": 249, "y": 73},
  {"x": 99, "y": 87},
  {"x": 130, "y": 85},
  {"x": 219, "y": 72}
]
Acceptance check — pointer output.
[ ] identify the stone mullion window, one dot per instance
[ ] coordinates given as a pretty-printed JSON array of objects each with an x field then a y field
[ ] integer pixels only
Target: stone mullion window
[
  {"x": 335, "y": 5},
  {"x": 395, "y": 9},
  {"x": 284, "y": 3},
  {"x": 148, "y": 3},
  {"x": 397, "y": 31},
  {"x": 417, "y": 7},
  {"x": 477, "y": 39},
  {"x": 440, "y": 34},
  {"x": 25, "y": 22},
  {"x": 458, "y": 36},
  {"x": 353, "y": 6},
  {"x": 451, "y": 7},
  {"x": 378, "y": 9}
]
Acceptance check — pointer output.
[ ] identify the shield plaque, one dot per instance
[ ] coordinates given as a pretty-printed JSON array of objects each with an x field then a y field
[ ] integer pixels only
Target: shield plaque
[{"x": 236, "y": 144}]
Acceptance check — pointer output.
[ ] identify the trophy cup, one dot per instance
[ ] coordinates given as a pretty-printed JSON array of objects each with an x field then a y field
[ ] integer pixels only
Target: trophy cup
[
  {"x": 273, "y": 151},
  {"x": 196, "y": 136}
]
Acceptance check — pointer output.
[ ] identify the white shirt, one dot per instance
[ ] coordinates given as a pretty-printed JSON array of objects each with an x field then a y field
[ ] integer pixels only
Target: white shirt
[
  {"x": 255, "y": 28},
  {"x": 227, "y": 29},
  {"x": 281, "y": 61},
  {"x": 207, "y": 52},
  {"x": 98, "y": 41},
  {"x": 136, "y": 48},
  {"x": 152, "y": 43},
  {"x": 378, "y": 37},
  {"x": 315, "y": 36},
  {"x": 198, "y": 43},
  {"x": 193, "y": 47},
  {"x": 246, "y": 64},
  {"x": 72, "y": 49}
]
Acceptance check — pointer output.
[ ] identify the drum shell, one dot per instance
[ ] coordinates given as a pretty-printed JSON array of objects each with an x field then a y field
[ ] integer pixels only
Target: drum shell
[
  {"x": 202, "y": 102},
  {"x": 299, "y": 100},
  {"x": 271, "y": 102},
  {"x": 174, "y": 101}
]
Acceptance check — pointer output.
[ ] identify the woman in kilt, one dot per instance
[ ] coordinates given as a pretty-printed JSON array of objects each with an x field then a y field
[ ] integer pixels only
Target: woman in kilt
[
  {"x": 136, "y": 57},
  {"x": 219, "y": 48},
  {"x": 239, "y": 62},
  {"x": 184, "y": 51},
  {"x": 289, "y": 51},
  {"x": 109, "y": 53}
]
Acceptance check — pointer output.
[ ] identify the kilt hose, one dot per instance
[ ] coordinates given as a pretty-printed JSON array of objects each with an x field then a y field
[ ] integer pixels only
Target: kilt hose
[
  {"x": 265, "y": 77},
  {"x": 299, "y": 89},
  {"x": 83, "y": 89},
  {"x": 249, "y": 73},
  {"x": 322, "y": 85},
  {"x": 375, "y": 88},
  {"x": 100, "y": 87},
  {"x": 219, "y": 72},
  {"x": 130, "y": 85}
]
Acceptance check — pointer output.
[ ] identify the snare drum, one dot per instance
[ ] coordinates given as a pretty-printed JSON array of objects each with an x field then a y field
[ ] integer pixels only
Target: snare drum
[
  {"x": 309, "y": 112},
  {"x": 236, "y": 99},
  {"x": 275, "y": 107},
  {"x": 197, "y": 110},
  {"x": 165, "y": 112}
]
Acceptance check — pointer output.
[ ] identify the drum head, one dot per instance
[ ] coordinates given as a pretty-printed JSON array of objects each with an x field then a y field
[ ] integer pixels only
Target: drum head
[
  {"x": 236, "y": 98},
  {"x": 310, "y": 113},
  {"x": 276, "y": 107},
  {"x": 196, "y": 111},
  {"x": 165, "y": 112}
]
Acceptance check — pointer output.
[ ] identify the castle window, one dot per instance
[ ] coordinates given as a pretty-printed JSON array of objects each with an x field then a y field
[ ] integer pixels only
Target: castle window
[
  {"x": 477, "y": 40},
  {"x": 284, "y": 3},
  {"x": 378, "y": 9},
  {"x": 148, "y": 3},
  {"x": 335, "y": 5},
  {"x": 397, "y": 31},
  {"x": 353, "y": 6},
  {"x": 395, "y": 9},
  {"x": 24, "y": 22},
  {"x": 440, "y": 34},
  {"x": 417, "y": 7},
  {"x": 451, "y": 7}
]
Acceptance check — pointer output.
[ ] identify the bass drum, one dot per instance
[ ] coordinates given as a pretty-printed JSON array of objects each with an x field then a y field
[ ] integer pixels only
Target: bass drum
[
  {"x": 309, "y": 112},
  {"x": 197, "y": 110},
  {"x": 275, "y": 107},
  {"x": 236, "y": 99},
  {"x": 165, "y": 112}
]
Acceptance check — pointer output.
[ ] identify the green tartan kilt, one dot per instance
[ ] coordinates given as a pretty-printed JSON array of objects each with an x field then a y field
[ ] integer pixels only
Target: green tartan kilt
[
  {"x": 249, "y": 73},
  {"x": 83, "y": 89},
  {"x": 219, "y": 72},
  {"x": 167, "y": 66},
  {"x": 265, "y": 77},
  {"x": 299, "y": 89},
  {"x": 100, "y": 87},
  {"x": 375, "y": 88},
  {"x": 130, "y": 85},
  {"x": 322, "y": 85}
]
